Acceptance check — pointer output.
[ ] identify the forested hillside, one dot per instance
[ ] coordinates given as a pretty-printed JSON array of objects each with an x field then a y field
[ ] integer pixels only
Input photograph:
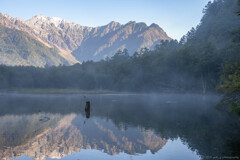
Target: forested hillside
[
  {"x": 200, "y": 62},
  {"x": 18, "y": 48}
]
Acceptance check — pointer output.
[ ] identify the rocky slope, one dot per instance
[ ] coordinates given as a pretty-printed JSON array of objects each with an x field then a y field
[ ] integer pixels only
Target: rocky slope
[
  {"x": 17, "y": 48},
  {"x": 108, "y": 39},
  {"x": 20, "y": 46},
  {"x": 87, "y": 43},
  {"x": 95, "y": 43}
]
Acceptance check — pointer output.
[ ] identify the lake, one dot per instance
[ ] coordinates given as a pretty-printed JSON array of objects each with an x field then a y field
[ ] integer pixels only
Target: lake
[{"x": 117, "y": 126}]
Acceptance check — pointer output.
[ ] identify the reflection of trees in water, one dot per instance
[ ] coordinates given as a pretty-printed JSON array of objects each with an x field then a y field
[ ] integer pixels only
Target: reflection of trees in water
[
  {"x": 204, "y": 128},
  {"x": 209, "y": 131}
]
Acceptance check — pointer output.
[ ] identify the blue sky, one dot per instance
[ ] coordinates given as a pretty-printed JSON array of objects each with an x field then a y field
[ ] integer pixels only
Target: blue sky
[{"x": 176, "y": 17}]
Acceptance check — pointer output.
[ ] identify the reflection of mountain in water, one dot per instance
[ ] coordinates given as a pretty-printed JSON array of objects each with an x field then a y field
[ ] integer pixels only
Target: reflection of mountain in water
[
  {"x": 70, "y": 135},
  {"x": 118, "y": 123},
  {"x": 16, "y": 130},
  {"x": 101, "y": 134}
]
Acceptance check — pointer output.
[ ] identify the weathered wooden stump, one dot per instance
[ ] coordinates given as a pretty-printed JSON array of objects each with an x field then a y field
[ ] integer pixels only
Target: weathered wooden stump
[
  {"x": 87, "y": 113},
  {"x": 87, "y": 106},
  {"x": 87, "y": 109}
]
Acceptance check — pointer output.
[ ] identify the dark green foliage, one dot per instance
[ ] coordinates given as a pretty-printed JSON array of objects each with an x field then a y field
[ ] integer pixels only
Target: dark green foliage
[
  {"x": 231, "y": 78},
  {"x": 231, "y": 71},
  {"x": 196, "y": 63},
  {"x": 218, "y": 22}
]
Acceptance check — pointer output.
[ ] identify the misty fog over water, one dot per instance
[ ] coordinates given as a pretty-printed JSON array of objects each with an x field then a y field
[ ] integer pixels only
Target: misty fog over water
[
  {"x": 123, "y": 89},
  {"x": 117, "y": 126}
]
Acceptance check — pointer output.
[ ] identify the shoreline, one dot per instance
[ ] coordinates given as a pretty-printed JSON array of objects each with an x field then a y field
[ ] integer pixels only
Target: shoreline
[
  {"x": 79, "y": 92},
  {"x": 57, "y": 91}
]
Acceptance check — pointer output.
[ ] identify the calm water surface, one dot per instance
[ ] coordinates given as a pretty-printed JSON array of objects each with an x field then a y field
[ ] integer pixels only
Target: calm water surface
[{"x": 162, "y": 126}]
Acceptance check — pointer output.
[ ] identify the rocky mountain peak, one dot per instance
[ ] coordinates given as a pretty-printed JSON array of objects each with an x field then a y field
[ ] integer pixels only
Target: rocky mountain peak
[
  {"x": 40, "y": 16},
  {"x": 155, "y": 26},
  {"x": 8, "y": 16},
  {"x": 41, "y": 19},
  {"x": 114, "y": 24},
  {"x": 87, "y": 43},
  {"x": 131, "y": 23}
]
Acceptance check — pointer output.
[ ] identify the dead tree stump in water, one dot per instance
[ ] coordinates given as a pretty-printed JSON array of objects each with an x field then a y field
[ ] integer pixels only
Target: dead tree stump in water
[
  {"x": 87, "y": 106},
  {"x": 87, "y": 109}
]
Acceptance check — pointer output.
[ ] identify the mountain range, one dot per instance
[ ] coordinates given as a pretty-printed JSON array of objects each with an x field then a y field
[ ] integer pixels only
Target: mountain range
[
  {"x": 42, "y": 40},
  {"x": 65, "y": 135}
]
